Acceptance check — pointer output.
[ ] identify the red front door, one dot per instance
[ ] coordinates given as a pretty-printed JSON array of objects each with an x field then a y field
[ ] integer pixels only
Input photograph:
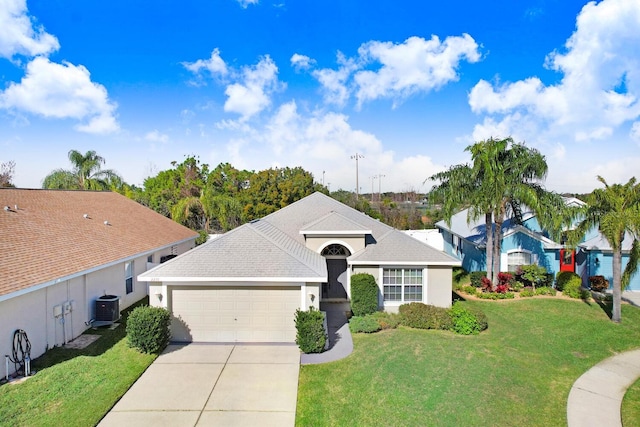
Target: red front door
[{"x": 567, "y": 260}]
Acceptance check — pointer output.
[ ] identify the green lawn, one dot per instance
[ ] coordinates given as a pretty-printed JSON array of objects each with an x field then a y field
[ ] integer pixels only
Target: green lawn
[
  {"x": 518, "y": 372},
  {"x": 631, "y": 406},
  {"x": 75, "y": 387}
]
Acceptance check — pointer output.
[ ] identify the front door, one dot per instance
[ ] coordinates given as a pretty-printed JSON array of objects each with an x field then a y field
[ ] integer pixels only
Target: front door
[{"x": 336, "y": 288}]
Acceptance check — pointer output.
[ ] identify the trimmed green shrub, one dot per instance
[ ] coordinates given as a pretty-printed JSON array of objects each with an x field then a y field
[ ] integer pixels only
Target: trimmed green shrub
[
  {"x": 386, "y": 320},
  {"x": 573, "y": 289},
  {"x": 471, "y": 290},
  {"x": 364, "y": 294},
  {"x": 533, "y": 274},
  {"x": 598, "y": 283},
  {"x": 467, "y": 321},
  {"x": 311, "y": 336},
  {"x": 460, "y": 276},
  {"x": 526, "y": 293},
  {"x": 423, "y": 316},
  {"x": 366, "y": 324},
  {"x": 563, "y": 277},
  {"x": 496, "y": 295},
  {"x": 476, "y": 278},
  {"x": 517, "y": 286},
  {"x": 148, "y": 328},
  {"x": 545, "y": 290}
]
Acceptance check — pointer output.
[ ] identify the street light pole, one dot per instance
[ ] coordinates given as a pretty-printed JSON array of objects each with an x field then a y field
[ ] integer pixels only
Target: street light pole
[
  {"x": 372, "y": 178},
  {"x": 380, "y": 176},
  {"x": 357, "y": 157}
]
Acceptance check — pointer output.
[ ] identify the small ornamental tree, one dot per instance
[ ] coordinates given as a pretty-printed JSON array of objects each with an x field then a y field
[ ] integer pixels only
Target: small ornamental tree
[{"x": 364, "y": 294}]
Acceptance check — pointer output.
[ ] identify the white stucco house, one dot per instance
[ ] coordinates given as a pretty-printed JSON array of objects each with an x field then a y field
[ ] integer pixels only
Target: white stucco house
[
  {"x": 63, "y": 249},
  {"x": 246, "y": 285}
]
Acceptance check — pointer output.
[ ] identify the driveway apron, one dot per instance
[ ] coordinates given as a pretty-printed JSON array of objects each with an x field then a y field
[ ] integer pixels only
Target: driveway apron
[{"x": 213, "y": 385}]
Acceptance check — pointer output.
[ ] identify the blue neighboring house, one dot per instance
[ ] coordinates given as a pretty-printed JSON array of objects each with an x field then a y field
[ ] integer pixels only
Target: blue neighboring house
[
  {"x": 595, "y": 257},
  {"x": 527, "y": 243}
]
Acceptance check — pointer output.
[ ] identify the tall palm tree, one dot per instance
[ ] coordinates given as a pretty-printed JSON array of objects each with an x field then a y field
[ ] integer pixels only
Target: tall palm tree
[
  {"x": 503, "y": 176},
  {"x": 86, "y": 173},
  {"x": 615, "y": 210}
]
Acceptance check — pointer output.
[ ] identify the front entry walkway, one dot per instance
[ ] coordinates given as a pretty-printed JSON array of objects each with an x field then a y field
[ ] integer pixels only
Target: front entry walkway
[
  {"x": 595, "y": 398},
  {"x": 213, "y": 384},
  {"x": 340, "y": 341}
]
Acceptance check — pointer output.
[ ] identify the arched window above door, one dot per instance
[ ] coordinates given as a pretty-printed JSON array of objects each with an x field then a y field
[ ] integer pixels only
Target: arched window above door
[{"x": 335, "y": 250}]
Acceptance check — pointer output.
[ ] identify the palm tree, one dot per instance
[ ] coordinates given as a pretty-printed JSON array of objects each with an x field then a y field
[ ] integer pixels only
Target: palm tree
[
  {"x": 615, "y": 210},
  {"x": 86, "y": 174},
  {"x": 503, "y": 176}
]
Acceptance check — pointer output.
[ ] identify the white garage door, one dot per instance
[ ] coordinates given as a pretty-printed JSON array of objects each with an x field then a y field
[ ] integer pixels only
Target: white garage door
[{"x": 234, "y": 314}]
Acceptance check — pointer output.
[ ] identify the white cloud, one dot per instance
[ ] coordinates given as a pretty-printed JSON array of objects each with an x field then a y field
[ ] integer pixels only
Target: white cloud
[
  {"x": 156, "y": 136},
  {"x": 62, "y": 91},
  {"x": 396, "y": 70},
  {"x": 301, "y": 62},
  {"x": 599, "y": 90},
  {"x": 325, "y": 142},
  {"x": 252, "y": 93},
  {"x": 245, "y": 3},
  {"x": 334, "y": 82},
  {"x": 416, "y": 65},
  {"x": 635, "y": 132},
  {"x": 19, "y": 35},
  {"x": 215, "y": 65}
]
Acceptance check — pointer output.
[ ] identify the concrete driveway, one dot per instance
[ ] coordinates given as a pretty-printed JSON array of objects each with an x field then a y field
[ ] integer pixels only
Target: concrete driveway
[{"x": 213, "y": 385}]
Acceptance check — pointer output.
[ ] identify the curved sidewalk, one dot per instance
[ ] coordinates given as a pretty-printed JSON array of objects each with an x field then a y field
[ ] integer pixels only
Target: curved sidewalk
[
  {"x": 595, "y": 398},
  {"x": 340, "y": 341}
]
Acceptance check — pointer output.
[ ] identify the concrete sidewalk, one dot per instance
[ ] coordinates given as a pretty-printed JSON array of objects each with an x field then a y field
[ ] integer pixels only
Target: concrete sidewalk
[
  {"x": 213, "y": 384},
  {"x": 340, "y": 341},
  {"x": 595, "y": 398}
]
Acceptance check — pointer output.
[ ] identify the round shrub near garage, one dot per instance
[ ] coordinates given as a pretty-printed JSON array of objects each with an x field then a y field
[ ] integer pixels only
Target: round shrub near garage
[
  {"x": 148, "y": 328},
  {"x": 311, "y": 336},
  {"x": 364, "y": 294}
]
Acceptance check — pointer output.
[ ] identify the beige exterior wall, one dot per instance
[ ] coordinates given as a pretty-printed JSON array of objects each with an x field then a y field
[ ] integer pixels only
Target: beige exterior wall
[
  {"x": 34, "y": 311},
  {"x": 317, "y": 243},
  {"x": 439, "y": 286},
  {"x": 311, "y": 294}
]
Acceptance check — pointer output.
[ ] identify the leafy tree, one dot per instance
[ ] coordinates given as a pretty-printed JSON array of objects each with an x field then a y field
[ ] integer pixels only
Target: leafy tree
[
  {"x": 272, "y": 189},
  {"x": 615, "y": 211},
  {"x": 7, "y": 170},
  {"x": 86, "y": 173},
  {"x": 503, "y": 176}
]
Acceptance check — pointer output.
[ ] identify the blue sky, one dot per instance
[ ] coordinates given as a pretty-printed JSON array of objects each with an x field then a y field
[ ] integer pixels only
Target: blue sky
[{"x": 407, "y": 85}]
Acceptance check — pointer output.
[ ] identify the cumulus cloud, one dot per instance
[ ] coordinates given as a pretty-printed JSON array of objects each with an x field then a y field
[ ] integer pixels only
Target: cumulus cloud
[
  {"x": 245, "y": 3},
  {"x": 598, "y": 92},
  {"x": 301, "y": 62},
  {"x": 19, "y": 34},
  {"x": 635, "y": 132},
  {"x": 251, "y": 94},
  {"x": 64, "y": 90},
  {"x": 156, "y": 136},
  {"x": 215, "y": 65},
  {"x": 325, "y": 141},
  {"x": 334, "y": 82},
  {"x": 396, "y": 70},
  {"x": 416, "y": 65}
]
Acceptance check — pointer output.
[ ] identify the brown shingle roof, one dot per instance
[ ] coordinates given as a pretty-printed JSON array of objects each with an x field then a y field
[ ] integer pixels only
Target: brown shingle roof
[{"x": 47, "y": 236}]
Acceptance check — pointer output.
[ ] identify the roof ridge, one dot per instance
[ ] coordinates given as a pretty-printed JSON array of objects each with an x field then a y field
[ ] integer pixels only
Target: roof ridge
[
  {"x": 285, "y": 237},
  {"x": 330, "y": 214}
]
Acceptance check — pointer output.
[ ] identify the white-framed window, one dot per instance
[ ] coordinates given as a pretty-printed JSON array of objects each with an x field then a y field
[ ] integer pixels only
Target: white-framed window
[
  {"x": 150, "y": 258},
  {"x": 128, "y": 276},
  {"x": 518, "y": 258},
  {"x": 402, "y": 284}
]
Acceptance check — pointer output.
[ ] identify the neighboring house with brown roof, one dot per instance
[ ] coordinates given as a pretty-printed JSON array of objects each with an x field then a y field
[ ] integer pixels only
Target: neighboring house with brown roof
[
  {"x": 64, "y": 249},
  {"x": 247, "y": 284}
]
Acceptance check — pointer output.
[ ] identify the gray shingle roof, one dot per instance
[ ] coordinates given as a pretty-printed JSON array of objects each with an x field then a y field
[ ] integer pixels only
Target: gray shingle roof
[
  {"x": 600, "y": 243},
  {"x": 295, "y": 217},
  {"x": 335, "y": 223},
  {"x": 253, "y": 250},
  {"x": 398, "y": 248}
]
